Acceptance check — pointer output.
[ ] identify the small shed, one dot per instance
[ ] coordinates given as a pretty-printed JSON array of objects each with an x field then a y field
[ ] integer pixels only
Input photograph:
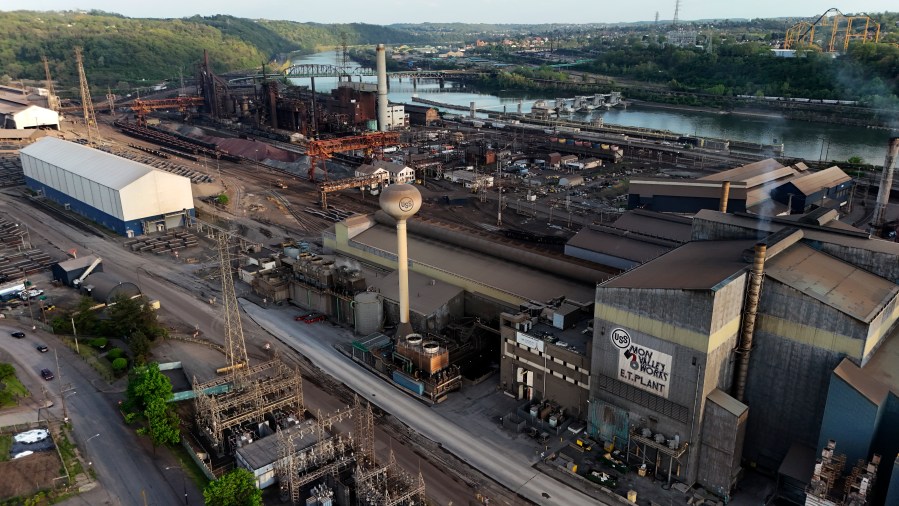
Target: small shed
[
  {"x": 571, "y": 181},
  {"x": 69, "y": 270}
]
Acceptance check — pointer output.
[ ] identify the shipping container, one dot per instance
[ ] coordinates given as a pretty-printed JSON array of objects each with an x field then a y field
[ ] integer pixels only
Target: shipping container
[{"x": 408, "y": 383}]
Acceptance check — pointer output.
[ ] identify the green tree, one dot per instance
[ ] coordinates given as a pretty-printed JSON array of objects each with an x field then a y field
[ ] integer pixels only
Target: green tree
[
  {"x": 86, "y": 321},
  {"x": 855, "y": 160},
  {"x": 222, "y": 199},
  {"x": 6, "y": 371},
  {"x": 236, "y": 488},
  {"x": 162, "y": 423},
  {"x": 145, "y": 385},
  {"x": 140, "y": 346}
]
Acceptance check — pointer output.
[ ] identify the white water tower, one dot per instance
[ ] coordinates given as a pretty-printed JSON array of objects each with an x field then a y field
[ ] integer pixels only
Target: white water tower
[{"x": 402, "y": 201}]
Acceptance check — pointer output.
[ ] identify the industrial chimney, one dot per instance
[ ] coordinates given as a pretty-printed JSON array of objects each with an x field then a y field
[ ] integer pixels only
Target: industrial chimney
[
  {"x": 886, "y": 182},
  {"x": 725, "y": 194},
  {"x": 401, "y": 201},
  {"x": 381, "y": 58}
]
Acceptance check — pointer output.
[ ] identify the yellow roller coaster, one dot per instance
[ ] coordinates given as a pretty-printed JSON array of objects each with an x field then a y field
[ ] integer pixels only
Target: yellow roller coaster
[{"x": 834, "y": 29}]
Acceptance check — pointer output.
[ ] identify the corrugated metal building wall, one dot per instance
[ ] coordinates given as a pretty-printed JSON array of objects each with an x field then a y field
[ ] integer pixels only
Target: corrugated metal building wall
[{"x": 128, "y": 197}]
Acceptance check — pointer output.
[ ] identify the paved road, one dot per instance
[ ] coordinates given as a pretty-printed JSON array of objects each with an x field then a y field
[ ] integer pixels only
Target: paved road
[
  {"x": 315, "y": 342},
  {"x": 126, "y": 474}
]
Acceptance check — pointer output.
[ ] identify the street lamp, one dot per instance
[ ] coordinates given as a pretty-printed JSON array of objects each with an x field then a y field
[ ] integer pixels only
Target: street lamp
[
  {"x": 88, "y": 441},
  {"x": 183, "y": 482}
]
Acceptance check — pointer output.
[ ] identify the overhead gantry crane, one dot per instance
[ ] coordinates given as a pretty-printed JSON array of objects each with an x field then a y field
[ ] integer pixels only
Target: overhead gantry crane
[
  {"x": 369, "y": 143},
  {"x": 143, "y": 107}
]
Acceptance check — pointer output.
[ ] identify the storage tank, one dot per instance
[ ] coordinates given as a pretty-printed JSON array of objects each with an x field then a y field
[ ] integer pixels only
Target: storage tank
[
  {"x": 368, "y": 312},
  {"x": 292, "y": 252}
]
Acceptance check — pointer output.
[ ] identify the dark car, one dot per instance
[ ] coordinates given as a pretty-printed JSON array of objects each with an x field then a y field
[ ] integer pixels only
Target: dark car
[
  {"x": 47, "y": 374},
  {"x": 43, "y": 349},
  {"x": 302, "y": 317},
  {"x": 18, "y": 335}
]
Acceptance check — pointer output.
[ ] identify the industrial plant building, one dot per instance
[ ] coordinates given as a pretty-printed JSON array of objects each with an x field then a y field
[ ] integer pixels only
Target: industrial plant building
[
  {"x": 694, "y": 373},
  {"x": 764, "y": 187},
  {"x": 122, "y": 195},
  {"x": 18, "y": 111}
]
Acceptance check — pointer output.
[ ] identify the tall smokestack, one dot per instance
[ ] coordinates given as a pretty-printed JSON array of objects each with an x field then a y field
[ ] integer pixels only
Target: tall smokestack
[
  {"x": 750, "y": 311},
  {"x": 382, "y": 87},
  {"x": 401, "y": 201},
  {"x": 886, "y": 182},
  {"x": 725, "y": 194}
]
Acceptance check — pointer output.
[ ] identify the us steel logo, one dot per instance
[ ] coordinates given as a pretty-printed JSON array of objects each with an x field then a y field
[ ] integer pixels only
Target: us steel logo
[
  {"x": 406, "y": 204},
  {"x": 621, "y": 338}
]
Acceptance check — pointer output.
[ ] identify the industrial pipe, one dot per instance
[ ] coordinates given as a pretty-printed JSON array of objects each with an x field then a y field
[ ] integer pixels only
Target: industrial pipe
[
  {"x": 381, "y": 59},
  {"x": 886, "y": 182},
  {"x": 725, "y": 194},
  {"x": 756, "y": 276}
]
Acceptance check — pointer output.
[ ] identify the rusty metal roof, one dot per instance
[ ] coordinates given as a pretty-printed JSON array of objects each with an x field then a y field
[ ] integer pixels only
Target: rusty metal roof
[
  {"x": 620, "y": 243},
  {"x": 752, "y": 174},
  {"x": 700, "y": 265},
  {"x": 666, "y": 226},
  {"x": 817, "y": 181},
  {"x": 840, "y": 285}
]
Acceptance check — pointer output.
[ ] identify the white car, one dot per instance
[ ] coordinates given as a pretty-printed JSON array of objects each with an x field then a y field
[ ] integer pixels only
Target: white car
[{"x": 30, "y": 294}]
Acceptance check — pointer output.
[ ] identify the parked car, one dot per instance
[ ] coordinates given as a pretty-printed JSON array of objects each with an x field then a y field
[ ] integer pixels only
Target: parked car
[
  {"x": 46, "y": 374},
  {"x": 302, "y": 317},
  {"x": 43, "y": 349},
  {"x": 30, "y": 294},
  {"x": 314, "y": 318},
  {"x": 18, "y": 335},
  {"x": 51, "y": 307}
]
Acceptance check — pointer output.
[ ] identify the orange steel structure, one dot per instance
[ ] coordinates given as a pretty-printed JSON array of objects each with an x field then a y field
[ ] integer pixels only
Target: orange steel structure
[
  {"x": 323, "y": 149},
  {"x": 842, "y": 28},
  {"x": 143, "y": 107}
]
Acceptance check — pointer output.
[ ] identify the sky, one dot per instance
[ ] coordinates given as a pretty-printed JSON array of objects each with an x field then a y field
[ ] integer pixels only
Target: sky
[{"x": 466, "y": 11}]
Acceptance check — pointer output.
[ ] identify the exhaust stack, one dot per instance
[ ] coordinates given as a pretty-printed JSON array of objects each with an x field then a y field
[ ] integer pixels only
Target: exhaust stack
[
  {"x": 381, "y": 59},
  {"x": 886, "y": 182},
  {"x": 756, "y": 276},
  {"x": 725, "y": 194}
]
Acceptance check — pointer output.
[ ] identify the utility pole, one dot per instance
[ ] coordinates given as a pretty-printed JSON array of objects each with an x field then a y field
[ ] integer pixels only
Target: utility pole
[
  {"x": 65, "y": 412},
  {"x": 87, "y": 105},
  {"x": 75, "y": 334}
]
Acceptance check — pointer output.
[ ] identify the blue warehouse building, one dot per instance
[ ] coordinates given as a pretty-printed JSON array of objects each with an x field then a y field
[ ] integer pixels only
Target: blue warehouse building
[{"x": 128, "y": 197}]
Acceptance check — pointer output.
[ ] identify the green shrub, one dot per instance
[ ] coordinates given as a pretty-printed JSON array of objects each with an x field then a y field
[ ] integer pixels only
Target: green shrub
[
  {"x": 99, "y": 342},
  {"x": 119, "y": 364},
  {"x": 6, "y": 370},
  {"x": 114, "y": 354}
]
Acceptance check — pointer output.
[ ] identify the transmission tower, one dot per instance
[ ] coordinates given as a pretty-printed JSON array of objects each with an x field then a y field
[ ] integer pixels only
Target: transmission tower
[
  {"x": 657, "y": 18},
  {"x": 90, "y": 119},
  {"x": 52, "y": 99},
  {"x": 676, "y": 11},
  {"x": 236, "y": 349},
  {"x": 110, "y": 99}
]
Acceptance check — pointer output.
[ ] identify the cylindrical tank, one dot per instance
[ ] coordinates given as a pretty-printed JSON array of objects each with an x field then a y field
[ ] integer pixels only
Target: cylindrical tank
[
  {"x": 292, "y": 252},
  {"x": 105, "y": 288},
  {"x": 430, "y": 347},
  {"x": 368, "y": 312},
  {"x": 413, "y": 339}
]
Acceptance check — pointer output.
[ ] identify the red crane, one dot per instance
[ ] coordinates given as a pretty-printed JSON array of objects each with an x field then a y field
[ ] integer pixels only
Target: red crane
[
  {"x": 370, "y": 142},
  {"x": 143, "y": 107}
]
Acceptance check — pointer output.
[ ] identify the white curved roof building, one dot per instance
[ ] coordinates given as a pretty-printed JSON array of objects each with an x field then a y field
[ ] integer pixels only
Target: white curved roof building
[{"x": 123, "y": 195}]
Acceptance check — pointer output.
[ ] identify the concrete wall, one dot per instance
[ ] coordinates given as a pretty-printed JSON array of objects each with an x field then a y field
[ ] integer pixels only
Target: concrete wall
[
  {"x": 434, "y": 322},
  {"x": 850, "y": 419},
  {"x": 721, "y": 449},
  {"x": 600, "y": 258}
]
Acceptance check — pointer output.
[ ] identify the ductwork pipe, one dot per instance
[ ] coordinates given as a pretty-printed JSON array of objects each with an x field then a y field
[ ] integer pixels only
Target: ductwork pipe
[{"x": 751, "y": 307}]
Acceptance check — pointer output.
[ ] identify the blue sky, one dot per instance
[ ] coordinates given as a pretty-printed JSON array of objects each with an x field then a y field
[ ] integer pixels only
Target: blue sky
[{"x": 469, "y": 11}]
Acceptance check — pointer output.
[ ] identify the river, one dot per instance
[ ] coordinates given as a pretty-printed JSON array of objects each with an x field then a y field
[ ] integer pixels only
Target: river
[{"x": 801, "y": 139}]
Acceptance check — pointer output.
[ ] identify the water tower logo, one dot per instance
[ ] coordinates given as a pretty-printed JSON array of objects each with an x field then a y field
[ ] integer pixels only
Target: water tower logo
[
  {"x": 621, "y": 338},
  {"x": 406, "y": 204}
]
